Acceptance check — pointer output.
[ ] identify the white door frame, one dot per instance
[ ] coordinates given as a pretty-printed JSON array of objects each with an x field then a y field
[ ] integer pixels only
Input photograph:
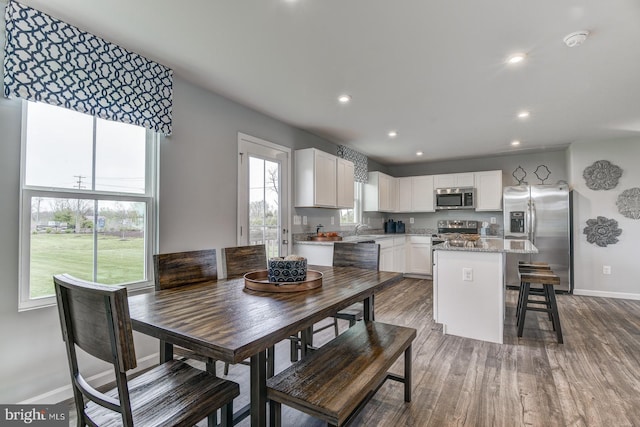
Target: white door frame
[{"x": 250, "y": 144}]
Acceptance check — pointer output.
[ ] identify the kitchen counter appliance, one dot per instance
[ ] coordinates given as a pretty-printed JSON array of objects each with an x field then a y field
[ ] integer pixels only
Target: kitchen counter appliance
[
  {"x": 541, "y": 214},
  {"x": 455, "y": 198}
]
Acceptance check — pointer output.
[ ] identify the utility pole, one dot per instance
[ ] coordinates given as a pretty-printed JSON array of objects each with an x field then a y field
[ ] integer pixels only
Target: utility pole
[{"x": 78, "y": 186}]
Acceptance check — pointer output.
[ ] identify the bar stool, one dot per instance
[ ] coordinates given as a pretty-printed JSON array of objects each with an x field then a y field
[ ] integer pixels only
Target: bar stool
[
  {"x": 527, "y": 267},
  {"x": 547, "y": 279}
]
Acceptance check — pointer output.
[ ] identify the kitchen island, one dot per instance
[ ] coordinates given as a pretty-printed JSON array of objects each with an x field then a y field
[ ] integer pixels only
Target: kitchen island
[{"x": 468, "y": 287}]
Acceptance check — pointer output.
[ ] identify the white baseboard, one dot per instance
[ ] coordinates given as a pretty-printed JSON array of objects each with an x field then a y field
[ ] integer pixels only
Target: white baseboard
[
  {"x": 61, "y": 394},
  {"x": 605, "y": 294}
]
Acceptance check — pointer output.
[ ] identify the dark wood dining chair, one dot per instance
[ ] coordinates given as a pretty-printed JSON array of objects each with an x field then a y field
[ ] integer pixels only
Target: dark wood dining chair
[
  {"x": 177, "y": 269},
  {"x": 95, "y": 318},
  {"x": 239, "y": 260},
  {"x": 360, "y": 255}
]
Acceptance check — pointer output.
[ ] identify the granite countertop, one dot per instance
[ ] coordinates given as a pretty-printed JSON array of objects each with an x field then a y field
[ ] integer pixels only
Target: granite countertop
[
  {"x": 511, "y": 246},
  {"x": 359, "y": 238}
]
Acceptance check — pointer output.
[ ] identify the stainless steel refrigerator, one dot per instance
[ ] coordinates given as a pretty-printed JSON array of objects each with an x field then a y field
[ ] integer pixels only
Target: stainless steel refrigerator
[{"x": 541, "y": 214}]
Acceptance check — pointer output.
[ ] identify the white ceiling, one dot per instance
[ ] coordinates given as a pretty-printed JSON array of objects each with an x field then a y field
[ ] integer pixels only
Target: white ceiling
[{"x": 432, "y": 69}]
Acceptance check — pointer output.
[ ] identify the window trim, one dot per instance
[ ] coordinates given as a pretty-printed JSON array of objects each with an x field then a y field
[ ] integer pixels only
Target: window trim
[{"x": 28, "y": 192}]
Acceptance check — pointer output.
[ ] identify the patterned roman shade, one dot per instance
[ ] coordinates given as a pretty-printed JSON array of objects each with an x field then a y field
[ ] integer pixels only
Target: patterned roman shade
[
  {"x": 359, "y": 160},
  {"x": 51, "y": 61}
]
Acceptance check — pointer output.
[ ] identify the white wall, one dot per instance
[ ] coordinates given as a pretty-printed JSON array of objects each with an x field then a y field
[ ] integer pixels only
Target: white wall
[{"x": 624, "y": 281}]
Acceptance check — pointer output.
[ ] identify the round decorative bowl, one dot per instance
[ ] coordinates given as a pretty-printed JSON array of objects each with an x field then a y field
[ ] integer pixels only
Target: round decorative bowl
[{"x": 280, "y": 270}]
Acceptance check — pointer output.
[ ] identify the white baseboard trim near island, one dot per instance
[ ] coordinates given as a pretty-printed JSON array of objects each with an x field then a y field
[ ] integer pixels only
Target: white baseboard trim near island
[
  {"x": 606, "y": 294},
  {"x": 61, "y": 394}
]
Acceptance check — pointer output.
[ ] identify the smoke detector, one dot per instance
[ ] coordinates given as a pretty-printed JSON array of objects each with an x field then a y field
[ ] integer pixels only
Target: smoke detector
[{"x": 576, "y": 39}]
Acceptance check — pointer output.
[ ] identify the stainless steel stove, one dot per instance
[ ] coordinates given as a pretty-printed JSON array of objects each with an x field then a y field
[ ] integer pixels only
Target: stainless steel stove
[{"x": 457, "y": 226}]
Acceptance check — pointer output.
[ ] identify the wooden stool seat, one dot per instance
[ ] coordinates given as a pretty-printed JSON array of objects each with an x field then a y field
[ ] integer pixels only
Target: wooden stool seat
[{"x": 547, "y": 279}]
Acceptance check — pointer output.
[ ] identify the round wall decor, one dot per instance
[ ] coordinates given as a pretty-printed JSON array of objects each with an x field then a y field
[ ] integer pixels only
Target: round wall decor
[
  {"x": 629, "y": 203},
  {"x": 602, "y": 175},
  {"x": 602, "y": 231}
]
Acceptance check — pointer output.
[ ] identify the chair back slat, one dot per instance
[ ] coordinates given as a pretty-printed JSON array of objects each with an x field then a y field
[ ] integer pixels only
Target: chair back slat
[
  {"x": 184, "y": 268},
  {"x": 96, "y": 318},
  {"x": 240, "y": 260},
  {"x": 361, "y": 255}
]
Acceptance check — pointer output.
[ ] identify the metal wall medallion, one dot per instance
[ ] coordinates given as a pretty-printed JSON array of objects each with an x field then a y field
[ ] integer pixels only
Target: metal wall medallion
[
  {"x": 519, "y": 174},
  {"x": 602, "y": 175},
  {"x": 602, "y": 231},
  {"x": 629, "y": 203},
  {"x": 544, "y": 171}
]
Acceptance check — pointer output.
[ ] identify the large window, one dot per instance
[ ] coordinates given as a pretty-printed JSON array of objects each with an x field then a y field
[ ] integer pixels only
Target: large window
[
  {"x": 87, "y": 201},
  {"x": 353, "y": 216}
]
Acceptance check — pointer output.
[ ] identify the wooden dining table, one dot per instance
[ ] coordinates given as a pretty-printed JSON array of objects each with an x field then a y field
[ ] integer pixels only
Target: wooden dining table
[{"x": 224, "y": 321}]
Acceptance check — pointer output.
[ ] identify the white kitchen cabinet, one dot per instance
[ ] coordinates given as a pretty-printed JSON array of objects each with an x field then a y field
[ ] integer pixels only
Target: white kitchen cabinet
[
  {"x": 415, "y": 194},
  {"x": 454, "y": 180},
  {"x": 488, "y": 190},
  {"x": 419, "y": 255},
  {"x": 405, "y": 194},
  {"x": 345, "y": 181},
  {"x": 317, "y": 179},
  {"x": 317, "y": 254},
  {"x": 392, "y": 253},
  {"x": 422, "y": 194},
  {"x": 381, "y": 193}
]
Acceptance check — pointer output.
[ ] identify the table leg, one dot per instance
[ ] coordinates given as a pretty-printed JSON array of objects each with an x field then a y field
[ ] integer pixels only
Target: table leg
[
  {"x": 259, "y": 390},
  {"x": 368, "y": 308},
  {"x": 166, "y": 351}
]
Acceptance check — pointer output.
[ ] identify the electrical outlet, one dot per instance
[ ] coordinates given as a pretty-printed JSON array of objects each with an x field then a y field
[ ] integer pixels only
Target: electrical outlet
[
  {"x": 296, "y": 220},
  {"x": 368, "y": 220},
  {"x": 493, "y": 220},
  {"x": 410, "y": 220},
  {"x": 333, "y": 220},
  {"x": 467, "y": 274},
  {"x": 304, "y": 220},
  {"x": 606, "y": 269}
]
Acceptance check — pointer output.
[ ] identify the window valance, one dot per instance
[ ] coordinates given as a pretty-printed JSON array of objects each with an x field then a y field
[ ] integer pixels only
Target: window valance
[
  {"x": 360, "y": 162},
  {"x": 51, "y": 61}
]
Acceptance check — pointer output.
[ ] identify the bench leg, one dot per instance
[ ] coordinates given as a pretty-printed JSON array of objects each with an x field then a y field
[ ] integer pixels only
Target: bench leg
[
  {"x": 271, "y": 361},
  {"x": 407, "y": 374},
  {"x": 275, "y": 414},
  {"x": 226, "y": 415}
]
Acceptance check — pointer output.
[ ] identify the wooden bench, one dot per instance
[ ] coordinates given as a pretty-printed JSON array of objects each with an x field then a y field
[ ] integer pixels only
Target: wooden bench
[{"x": 336, "y": 381}]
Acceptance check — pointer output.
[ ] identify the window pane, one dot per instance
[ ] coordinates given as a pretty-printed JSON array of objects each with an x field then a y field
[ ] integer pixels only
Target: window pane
[
  {"x": 120, "y": 157},
  {"x": 120, "y": 231},
  {"x": 55, "y": 247},
  {"x": 58, "y": 147},
  {"x": 264, "y": 184},
  {"x": 62, "y": 241}
]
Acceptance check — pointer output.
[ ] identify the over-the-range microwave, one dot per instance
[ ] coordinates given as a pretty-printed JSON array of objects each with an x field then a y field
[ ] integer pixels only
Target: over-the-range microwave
[{"x": 455, "y": 198}]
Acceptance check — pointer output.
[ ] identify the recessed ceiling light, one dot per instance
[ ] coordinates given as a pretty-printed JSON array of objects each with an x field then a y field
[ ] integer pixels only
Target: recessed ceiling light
[
  {"x": 419, "y": 153},
  {"x": 515, "y": 143},
  {"x": 516, "y": 58},
  {"x": 343, "y": 99},
  {"x": 393, "y": 133},
  {"x": 523, "y": 114}
]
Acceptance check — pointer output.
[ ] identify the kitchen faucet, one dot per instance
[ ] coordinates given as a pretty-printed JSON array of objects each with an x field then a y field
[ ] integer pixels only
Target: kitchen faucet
[
  {"x": 359, "y": 227},
  {"x": 318, "y": 228}
]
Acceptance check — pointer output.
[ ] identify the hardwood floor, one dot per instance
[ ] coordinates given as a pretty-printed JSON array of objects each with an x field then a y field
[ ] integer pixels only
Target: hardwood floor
[{"x": 593, "y": 379}]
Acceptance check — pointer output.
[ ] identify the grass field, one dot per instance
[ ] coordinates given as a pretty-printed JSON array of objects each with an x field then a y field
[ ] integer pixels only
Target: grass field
[{"x": 119, "y": 260}]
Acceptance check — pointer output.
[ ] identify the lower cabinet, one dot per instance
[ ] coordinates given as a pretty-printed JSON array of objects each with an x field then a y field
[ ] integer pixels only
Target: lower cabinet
[
  {"x": 402, "y": 254},
  {"x": 392, "y": 254},
  {"x": 419, "y": 255}
]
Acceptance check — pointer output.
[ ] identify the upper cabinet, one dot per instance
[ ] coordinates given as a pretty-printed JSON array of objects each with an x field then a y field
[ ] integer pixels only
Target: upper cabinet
[
  {"x": 452, "y": 180},
  {"x": 321, "y": 179},
  {"x": 381, "y": 193},
  {"x": 345, "y": 183},
  {"x": 384, "y": 193},
  {"x": 488, "y": 190},
  {"x": 416, "y": 194}
]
